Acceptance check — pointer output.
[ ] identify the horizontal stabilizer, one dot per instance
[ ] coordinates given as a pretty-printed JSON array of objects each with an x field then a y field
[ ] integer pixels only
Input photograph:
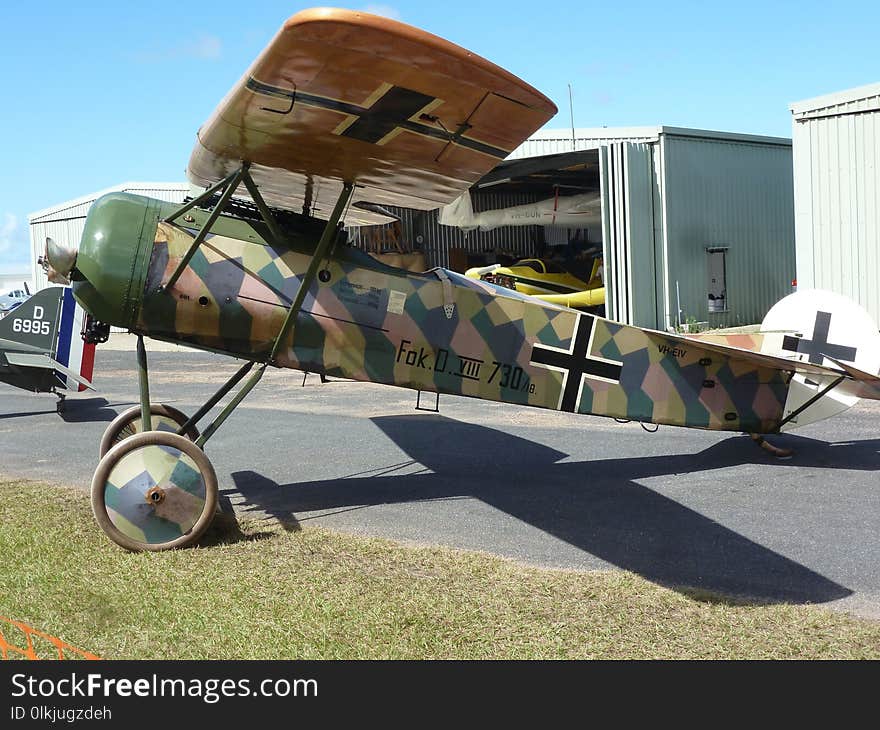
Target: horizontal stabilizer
[
  {"x": 758, "y": 358},
  {"x": 862, "y": 385},
  {"x": 29, "y": 360}
]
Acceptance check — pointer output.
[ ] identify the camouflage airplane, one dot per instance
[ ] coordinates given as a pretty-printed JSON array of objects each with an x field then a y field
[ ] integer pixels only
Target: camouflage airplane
[
  {"x": 344, "y": 107},
  {"x": 43, "y": 347}
]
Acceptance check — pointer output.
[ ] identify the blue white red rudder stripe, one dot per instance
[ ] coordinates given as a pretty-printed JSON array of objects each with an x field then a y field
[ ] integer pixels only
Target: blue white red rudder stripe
[{"x": 70, "y": 349}]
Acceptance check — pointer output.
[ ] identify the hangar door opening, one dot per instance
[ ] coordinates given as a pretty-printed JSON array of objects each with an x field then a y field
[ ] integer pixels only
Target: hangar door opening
[{"x": 627, "y": 180}]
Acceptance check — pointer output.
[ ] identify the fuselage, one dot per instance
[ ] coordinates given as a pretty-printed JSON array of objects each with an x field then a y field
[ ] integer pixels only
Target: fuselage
[{"x": 433, "y": 331}]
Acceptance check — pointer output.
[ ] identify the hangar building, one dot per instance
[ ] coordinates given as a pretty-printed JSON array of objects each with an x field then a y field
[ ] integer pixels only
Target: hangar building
[
  {"x": 837, "y": 193},
  {"x": 695, "y": 225},
  {"x": 65, "y": 222}
]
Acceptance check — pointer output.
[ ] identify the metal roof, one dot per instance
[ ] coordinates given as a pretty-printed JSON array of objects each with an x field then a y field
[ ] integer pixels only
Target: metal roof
[
  {"x": 651, "y": 134},
  {"x": 725, "y": 136},
  {"x": 542, "y": 175},
  {"x": 861, "y": 98},
  {"x": 91, "y": 197}
]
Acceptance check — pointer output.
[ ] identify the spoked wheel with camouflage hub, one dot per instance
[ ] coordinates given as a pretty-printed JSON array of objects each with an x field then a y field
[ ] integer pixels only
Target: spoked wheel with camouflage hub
[
  {"x": 128, "y": 423},
  {"x": 154, "y": 491}
]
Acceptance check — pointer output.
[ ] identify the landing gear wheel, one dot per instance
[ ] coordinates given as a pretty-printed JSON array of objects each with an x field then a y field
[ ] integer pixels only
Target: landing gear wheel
[
  {"x": 128, "y": 423},
  {"x": 154, "y": 491}
]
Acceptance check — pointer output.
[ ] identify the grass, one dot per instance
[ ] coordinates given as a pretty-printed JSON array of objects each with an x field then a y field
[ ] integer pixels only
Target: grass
[{"x": 314, "y": 594}]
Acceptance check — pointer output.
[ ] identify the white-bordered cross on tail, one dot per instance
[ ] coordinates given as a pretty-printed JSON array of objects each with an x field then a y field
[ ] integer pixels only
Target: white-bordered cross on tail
[
  {"x": 576, "y": 363},
  {"x": 819, "y": 347}
]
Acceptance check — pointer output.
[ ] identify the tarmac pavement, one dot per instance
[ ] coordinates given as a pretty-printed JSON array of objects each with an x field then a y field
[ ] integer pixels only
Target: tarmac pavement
[{"x": 680, "y": 507}]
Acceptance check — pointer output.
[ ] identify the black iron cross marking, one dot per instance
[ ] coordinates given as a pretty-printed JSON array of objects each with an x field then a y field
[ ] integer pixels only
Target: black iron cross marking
[
  {"x": 576, "y": 364},
  {"x": 391, "y": 111},
  {"x": 394, "y": 109},
  {"x": 818, "y": 348}
]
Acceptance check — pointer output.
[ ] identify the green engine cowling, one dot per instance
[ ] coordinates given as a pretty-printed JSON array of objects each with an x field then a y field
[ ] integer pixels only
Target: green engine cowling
[{"x": 113, "y": 256}]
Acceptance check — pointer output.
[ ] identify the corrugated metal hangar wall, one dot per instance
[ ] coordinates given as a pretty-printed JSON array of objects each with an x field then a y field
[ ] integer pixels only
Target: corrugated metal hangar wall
[
  {"x": 728, "y": 206},
  {"x": 447, "y": 246},
  {"x": 837, "y": 193}
]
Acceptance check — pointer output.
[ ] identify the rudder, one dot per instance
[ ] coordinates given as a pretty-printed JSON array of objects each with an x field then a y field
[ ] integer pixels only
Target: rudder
[
  {"x": 71, "y": 350},
  {"x": 822, "y": 328}
]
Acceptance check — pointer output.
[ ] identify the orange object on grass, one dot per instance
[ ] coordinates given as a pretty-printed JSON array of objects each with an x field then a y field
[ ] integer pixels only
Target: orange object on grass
[{"x": 36, "y": 644}]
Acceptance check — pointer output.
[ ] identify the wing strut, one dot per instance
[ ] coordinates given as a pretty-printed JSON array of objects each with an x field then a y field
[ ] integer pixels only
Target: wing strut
[
  {"x": 228, "y": 185},
  {"x": 231, "y": 184},
  {"x": 327, "y": 238},
  {"x": 143, "y": 382}
]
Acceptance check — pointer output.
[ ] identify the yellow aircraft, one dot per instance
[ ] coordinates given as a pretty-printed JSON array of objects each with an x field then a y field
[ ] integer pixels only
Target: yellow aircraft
[{"x": 547, "y": 281}]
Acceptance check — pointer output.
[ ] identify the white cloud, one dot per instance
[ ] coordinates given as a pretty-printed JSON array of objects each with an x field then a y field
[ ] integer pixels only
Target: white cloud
[
  {"x": 203, "y": 48},
  {"x": 207, "y": 47},
  {"x": 8, "y": 230},
  {"x": 384, "y": 10}
]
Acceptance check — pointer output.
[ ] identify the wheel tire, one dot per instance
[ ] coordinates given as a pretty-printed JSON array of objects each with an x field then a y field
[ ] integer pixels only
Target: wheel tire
[
  {"x": 162, "y": 492},
  {"x": 164, "y": 418}
]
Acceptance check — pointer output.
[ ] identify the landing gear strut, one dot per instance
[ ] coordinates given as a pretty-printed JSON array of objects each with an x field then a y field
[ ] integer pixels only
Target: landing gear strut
[{"x": 156, "y": 489}]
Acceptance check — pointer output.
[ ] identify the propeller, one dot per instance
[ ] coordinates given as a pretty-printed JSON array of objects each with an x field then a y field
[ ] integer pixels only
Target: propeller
[{"x": 58, "y": 261}]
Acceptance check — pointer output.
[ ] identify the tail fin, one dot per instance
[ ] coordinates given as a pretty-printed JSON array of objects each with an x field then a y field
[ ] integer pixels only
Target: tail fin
[
  {"x": 71, "y": 350},
  {"x": 35, "y": 322},
  {"x": 52, "y": 323},
  {"x": 822, "y": 328}
]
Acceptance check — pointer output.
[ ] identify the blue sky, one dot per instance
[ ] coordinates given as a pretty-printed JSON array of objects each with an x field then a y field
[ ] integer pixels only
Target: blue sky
[{"x": 99, "y": 93}]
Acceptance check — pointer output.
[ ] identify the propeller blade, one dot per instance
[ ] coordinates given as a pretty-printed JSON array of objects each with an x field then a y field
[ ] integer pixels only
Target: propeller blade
[{"x": 58, "y": 261}]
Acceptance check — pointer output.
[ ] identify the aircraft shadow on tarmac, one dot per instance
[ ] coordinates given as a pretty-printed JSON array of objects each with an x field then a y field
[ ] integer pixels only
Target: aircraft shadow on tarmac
[
  {"x": 76, "y": 410},
  {"x": 597, "y": 506},
  {"x": 82, "y": 410}
]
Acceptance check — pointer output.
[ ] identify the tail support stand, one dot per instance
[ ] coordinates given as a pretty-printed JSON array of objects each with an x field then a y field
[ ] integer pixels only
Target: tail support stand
[
  {"x": 786, "y": 453},
  {"x": 775, "y": 450},
  {"x": 420, "y": 407}
]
